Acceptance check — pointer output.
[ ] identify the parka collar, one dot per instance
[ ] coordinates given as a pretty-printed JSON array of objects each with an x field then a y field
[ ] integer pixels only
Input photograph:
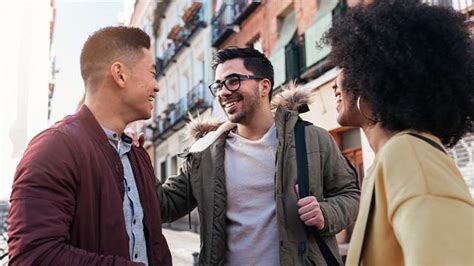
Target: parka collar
[{"x": 288, "y": 104}]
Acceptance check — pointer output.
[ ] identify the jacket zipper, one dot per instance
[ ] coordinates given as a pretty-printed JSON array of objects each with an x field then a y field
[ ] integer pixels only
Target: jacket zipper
[
  {"x": 188, "y": 185},
  {"x": 283, "y": 151},
  {"x": 287, "y": 116}
]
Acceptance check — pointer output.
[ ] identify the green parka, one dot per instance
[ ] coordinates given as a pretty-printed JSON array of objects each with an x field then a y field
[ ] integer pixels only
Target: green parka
[{"x": 201, "y": 183}]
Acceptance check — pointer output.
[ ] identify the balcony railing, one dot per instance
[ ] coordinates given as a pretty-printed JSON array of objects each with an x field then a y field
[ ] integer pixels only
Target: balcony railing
[
  {"x": 180, "y": 36},
  {"x": 168, "y": 55},
  {"x": 196, "y": 98},
  {"x": 243, "y": 8},
  {"x": 228, "y": 16},
  {"x": 222, "y": 24},
  {"x": 159, "y": 63},
  {"x": 316, "y": 52},
  {"x": 194, "y": 17},
  {"x": 175, "y": 115},
  {"x": 3, "y": 233}
]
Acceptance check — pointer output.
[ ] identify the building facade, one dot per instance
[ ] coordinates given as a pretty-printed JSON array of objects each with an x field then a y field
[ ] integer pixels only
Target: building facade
[
  {"x": 141, "y": 14},
  {"x": 27, "y": 88},
  {"x": 289, "y": 32},
  {"x": 181, "y": 43},
  {"x": 183, "y": 66}
]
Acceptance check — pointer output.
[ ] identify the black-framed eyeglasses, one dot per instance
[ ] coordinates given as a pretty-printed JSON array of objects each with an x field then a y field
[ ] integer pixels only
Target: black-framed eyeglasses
[{"x": 231, "y": 83}]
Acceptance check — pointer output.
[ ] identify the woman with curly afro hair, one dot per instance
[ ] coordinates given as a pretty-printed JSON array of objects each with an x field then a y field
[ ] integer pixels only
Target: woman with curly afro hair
[{"x": 407, "y": 81}]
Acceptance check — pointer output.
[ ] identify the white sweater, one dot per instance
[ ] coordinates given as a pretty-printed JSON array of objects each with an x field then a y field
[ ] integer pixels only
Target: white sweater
[{"x": 252, "y": 230}]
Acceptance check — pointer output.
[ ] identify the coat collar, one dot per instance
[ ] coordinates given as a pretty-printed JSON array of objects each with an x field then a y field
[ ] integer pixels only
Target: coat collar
[
  {"x": 91, "y": 125},
  {"x": 287, "y": 105},
  {"x": 285, "y": 120}
]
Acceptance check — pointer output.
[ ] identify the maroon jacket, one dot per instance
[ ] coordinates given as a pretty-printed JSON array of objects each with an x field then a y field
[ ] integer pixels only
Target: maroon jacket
[{"x": 67, "y": 199}]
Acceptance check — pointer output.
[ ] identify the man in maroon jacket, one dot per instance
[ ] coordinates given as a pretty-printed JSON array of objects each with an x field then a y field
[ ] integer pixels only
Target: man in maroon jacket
[{"x": 82, "y": 194}]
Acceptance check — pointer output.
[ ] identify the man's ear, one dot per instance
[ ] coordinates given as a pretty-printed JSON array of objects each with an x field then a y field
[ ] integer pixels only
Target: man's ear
[
  {"x": 266, "y": 87},
  {"x": 117, "y": 70}
]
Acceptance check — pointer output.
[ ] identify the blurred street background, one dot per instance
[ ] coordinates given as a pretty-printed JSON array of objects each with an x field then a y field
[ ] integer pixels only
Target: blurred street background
[
  {"x": 184, "y": 246},
  {"x": 40, "y": 43}
]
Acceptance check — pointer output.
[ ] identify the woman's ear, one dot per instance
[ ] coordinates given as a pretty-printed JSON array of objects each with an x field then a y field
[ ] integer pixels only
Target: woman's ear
[{"x": 365, "y": 111}]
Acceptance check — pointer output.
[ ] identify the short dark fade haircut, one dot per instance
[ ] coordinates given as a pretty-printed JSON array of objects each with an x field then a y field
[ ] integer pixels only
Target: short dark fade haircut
[
  {"x": 108, "y": 45},
  {"x": 411, "y": 62},
  {"x": 254, "y": 61}
]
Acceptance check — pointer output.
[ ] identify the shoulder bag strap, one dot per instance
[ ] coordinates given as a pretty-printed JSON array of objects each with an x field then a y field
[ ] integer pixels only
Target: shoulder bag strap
[
  {"x": 303, "y": 187},
  {"x": 429, "y": 141}
]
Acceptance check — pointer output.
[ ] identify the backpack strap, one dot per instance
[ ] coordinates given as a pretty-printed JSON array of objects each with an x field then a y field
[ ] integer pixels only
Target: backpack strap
[
  {"x": 429, "y": 141},
  {"x": 303, "y": 187}
]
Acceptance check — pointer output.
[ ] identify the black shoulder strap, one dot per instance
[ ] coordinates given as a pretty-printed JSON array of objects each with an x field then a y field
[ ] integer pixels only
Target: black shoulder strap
[
  {"x": 303, "y": 187},
  {"x": 301, "y": 158},
  {"x": 429, "y": 141}
]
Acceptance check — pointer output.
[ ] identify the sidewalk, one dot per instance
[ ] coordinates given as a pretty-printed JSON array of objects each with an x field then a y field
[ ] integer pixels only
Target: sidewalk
[{"x": 182, "y": 245}]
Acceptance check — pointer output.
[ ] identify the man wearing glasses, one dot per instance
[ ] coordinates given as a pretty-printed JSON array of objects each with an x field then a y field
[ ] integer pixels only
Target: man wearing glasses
[{"x": 242, "y": 175}]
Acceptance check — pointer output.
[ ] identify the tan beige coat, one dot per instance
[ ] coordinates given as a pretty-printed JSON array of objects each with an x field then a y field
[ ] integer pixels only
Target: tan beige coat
[{"x": 423, "y": 212}]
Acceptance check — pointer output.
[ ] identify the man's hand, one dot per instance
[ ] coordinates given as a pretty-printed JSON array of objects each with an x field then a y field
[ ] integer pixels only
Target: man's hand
[
  {"x": 310, "y": 211},
  {"x": 137, "y": 140}
]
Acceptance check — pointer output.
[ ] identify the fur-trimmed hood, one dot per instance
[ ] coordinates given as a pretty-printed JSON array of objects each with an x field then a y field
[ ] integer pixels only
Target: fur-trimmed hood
[{"x": 292, "y": 97}]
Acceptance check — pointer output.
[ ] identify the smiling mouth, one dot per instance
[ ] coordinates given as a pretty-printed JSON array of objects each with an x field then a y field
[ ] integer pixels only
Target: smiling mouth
[
  {"x": 229, "y": 106},
  {"x": 230, "y": 103}
]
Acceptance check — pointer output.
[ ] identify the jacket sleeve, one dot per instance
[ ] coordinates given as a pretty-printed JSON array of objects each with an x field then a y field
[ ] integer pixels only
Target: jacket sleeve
[
  {"x": 176, "y": 198},
  {"x": 434, "y": 230},
  {"x": 340, "y": 188},
  {"x": 42, "y": 207}
]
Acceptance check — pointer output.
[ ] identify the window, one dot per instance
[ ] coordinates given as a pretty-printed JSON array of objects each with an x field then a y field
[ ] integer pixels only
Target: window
[
  {"x": 295, "y": 57},
  {"x": 287, "y": 29},
  {"x": 316, "y": 51},
  {"x": 174, "y": 165},
  {"x": 163, "y": 173}
]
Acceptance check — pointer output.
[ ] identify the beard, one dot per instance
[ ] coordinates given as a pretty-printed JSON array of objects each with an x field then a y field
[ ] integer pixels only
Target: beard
[{"x": 248, "y": 107}]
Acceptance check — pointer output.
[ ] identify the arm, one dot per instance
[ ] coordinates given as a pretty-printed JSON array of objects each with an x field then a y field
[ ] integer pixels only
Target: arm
[
  {"x": 341, "y": 189},
  {"x": 43, "y": 207},
  {"x": 176, "y": 197},
  {"x": 174, "y": 202},
  {"x": 434, "y": 230}
]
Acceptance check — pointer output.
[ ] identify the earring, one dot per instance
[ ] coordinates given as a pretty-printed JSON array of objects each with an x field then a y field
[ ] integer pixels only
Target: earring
[
  {"x": 372, "y": 121},
  {"x": 358, "y": 106}
]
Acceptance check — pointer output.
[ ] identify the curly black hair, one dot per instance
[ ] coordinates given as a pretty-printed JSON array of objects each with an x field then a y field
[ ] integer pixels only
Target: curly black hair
[{"x": 411, "y": 62}]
